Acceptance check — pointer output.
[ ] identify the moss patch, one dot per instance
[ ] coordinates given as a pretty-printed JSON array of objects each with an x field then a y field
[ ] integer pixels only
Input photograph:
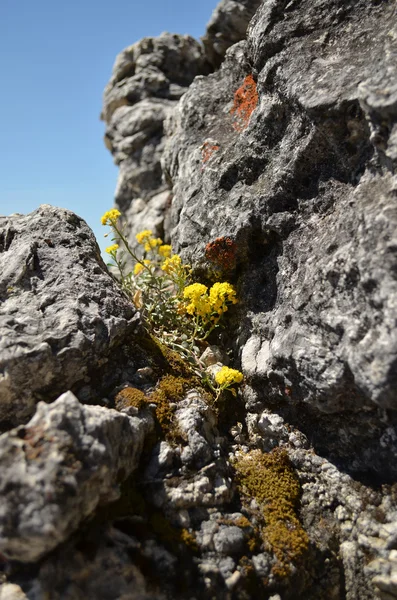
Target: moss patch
[
  {"x": 271, "y": 480},
  {"x": 170, "y": 389},
  {"x": 176, "y": 378},
  {"x": 166, "y": 361},
  {"x": 130, "y": 396}
]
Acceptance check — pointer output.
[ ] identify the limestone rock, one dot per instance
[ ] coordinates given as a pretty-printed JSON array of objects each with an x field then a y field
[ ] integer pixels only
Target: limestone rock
[
  {"x": 304, "y": 185},
  {"x": 58, "y": 468},
  {"x": 196, "y": 474},
  {"x": 63, "y": 318},
  {"x": 306, "y": 189},
  {"x": 94, "y": 565},
  {"x": 148, "y": 79},
  {"x": 227, "y": 26}
]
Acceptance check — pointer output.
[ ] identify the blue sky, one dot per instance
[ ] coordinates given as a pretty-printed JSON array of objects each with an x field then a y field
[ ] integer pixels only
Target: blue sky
[{"x": 55, "y": 60}]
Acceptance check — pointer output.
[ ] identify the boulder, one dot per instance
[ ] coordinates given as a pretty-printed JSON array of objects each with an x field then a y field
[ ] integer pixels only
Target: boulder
[{"x": 63, "y": 317}]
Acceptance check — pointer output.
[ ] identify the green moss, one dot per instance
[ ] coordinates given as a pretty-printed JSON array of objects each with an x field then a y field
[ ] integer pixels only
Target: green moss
[
  {"x": 271, "y": 479},
  {"x": 130, "y": 396},
  {"x": 176, "y": 365},
  {"x": 152, "y": 349},
  {"x": 170, "y": 389},
  {"x": 166, "y": 361}
]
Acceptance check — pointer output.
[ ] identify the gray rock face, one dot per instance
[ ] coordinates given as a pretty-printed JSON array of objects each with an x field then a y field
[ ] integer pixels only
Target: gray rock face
[
  {"x": 307, "y": 192},
  {"x": 68, "y": 573},
  {"x": 148, "y": 79},
  {"x": 196, "y": 474},
  {"x": 228, "y": 25},
  {"x": 303, "y": 182},
  {"x": 63, "y": 318},
  {"x": 58, "y": 468}
]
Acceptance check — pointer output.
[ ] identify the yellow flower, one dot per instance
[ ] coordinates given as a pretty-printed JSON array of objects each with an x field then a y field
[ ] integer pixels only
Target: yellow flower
[
  {"x": 139, "y": 268},
  {"x": 165, "y": 250},
  {"x": 112, "y": 249},
  {"x": 110, "y": 217},
  {"x": 199, "y": 301},
  {"x": 226, "y": 377},
  {"x": 152, "y": 243},
  {"x": 142, "y": 236},
  {"x": 172, "y": 265},
  {"x": 220, "y": 294}
]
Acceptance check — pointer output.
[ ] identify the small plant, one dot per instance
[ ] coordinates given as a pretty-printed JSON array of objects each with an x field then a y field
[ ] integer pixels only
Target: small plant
[
  {"x": 226, "y": 379},
  {"x": 245, "y": 102},
  {"x": 178, "y": 312}
]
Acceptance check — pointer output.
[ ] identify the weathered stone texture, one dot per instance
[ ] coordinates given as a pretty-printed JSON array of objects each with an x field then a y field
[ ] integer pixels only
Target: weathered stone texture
[
  {"x": 148, "y": 79},
  {"x": 308, "y": 193},
  {"x": 63, "y": 318},
  {"x": 306, "y": 188},
  {"x": 227, "y": 26},
  {"x": 58, "y": 468}
]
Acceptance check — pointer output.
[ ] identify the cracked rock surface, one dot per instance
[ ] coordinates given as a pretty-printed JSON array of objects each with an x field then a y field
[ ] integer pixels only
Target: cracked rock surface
[
  {"x": 58, "y": 467},
  {"x": 63, "y": 318},
  {"x": 307, "y": 191},
  {"x": 286, "y": 490}
]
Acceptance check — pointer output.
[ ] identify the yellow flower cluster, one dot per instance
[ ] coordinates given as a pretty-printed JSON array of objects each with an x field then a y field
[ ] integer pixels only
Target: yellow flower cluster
[
  {"x": 143, "y": 236},
  {"x": 110, "y": 216},
  {"x": 112, "y": 249},
  {"x": 165, "y": 250},
  {"x": 220, "y": 294},
  {"x": 147, "y": 240},
  {"x": 139, "y": 267},
  {"x": 204, "y": 304},
  {"x": 226, "y": 377},
  {"x": 152, "y": 243},
  {"x": 199, "y": 301},
  {"x": 172, "y": 265}
]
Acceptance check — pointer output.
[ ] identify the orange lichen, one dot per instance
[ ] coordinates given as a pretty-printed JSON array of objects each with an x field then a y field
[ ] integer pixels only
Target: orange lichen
[
  {"x": 245, "y": 102},
  {"x": 207, "y": 150},
  {"x": 222, "y": 252}
]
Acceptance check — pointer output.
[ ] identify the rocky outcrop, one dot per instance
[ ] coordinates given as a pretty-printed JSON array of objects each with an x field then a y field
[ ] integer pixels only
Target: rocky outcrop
[
  {"x": 306, "y": 190},
  {"x": 148, "y": 80},
  {"x": 227, "y": 26},
  {"x": 58, "y": 467},
  {"x": 284, "y": 157},
  {"x": 64, "y": 323}
]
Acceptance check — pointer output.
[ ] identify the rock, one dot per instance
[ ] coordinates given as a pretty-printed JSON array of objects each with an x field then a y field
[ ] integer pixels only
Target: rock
[
  {"x": 306, "y": 190},
  {"x": 197, "y": 421},
  {"x": 262, "y": 564},
  {"x": 148, "y": 79},
  {"x": 213, "y": 355},
  {"x": 94, "y": 565},
  {"x": 58, "y": 468},
  {"x": 63, "y": 318},
  {"x": 227, "y": 26},
  {"x": 11, "y": 591},
  {"x": 229, "y": 540},
  {"x": 288, "y": 151}
]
